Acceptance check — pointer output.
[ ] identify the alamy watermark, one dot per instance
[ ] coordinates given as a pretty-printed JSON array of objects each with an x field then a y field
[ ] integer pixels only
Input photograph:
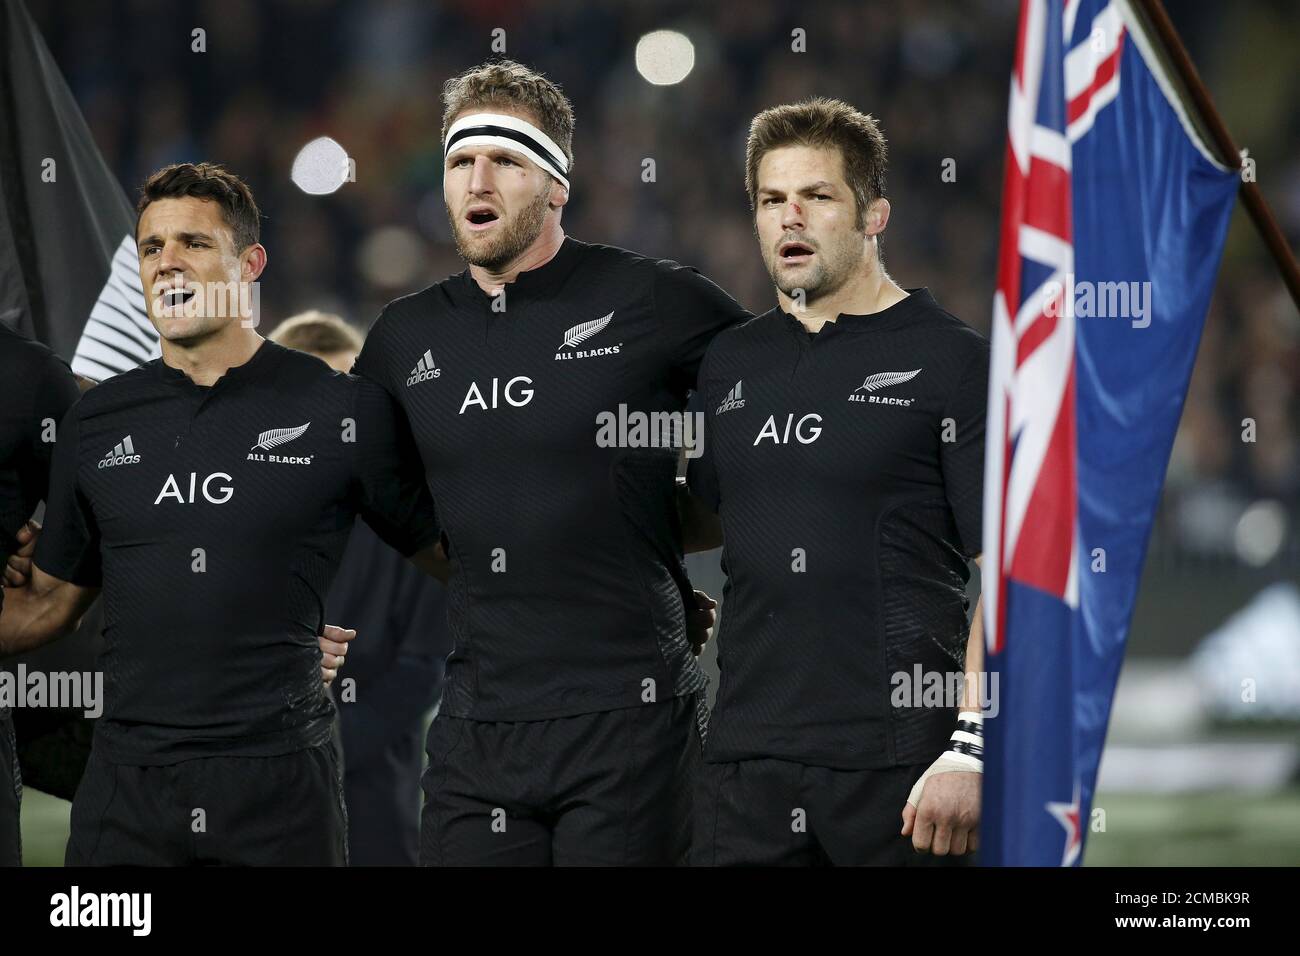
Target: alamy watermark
[
  {"x": 1099, "y": 300},
  {"x": 944, "y": 689},
  {"x": 239, "y": 300},
  {"x": 71, "y": 690},
  {"x": 638, "y": 429}
]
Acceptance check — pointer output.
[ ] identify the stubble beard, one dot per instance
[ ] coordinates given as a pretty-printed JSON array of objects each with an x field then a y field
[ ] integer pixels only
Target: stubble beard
[{"x": 512, "y": 241}]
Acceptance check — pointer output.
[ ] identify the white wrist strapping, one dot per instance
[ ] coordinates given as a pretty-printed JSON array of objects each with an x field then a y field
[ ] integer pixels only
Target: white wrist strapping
[{"x": 965, "y": 753}]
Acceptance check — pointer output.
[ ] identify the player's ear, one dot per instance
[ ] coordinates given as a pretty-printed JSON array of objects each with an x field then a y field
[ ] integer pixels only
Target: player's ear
[
  {"x": 559, "y": 194},
  {"x": 877, "y": 216},
  {"x": 252, "y": 262}
]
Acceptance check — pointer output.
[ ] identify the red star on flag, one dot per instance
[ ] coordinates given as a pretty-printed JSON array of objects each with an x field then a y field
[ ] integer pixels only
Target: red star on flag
[{"x": 1067, "y": 815}]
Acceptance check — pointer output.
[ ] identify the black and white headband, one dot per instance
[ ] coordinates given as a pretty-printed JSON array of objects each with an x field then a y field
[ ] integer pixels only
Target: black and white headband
[{"x": 509, "y": 132}]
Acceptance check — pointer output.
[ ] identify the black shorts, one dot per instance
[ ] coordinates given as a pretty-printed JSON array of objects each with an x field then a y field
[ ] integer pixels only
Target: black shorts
[
  {"x": 11, "y": 792},
  {"x": 779, "y": 813},
  {"x": 212, "y": 811},
  {"x": 605, "y": 789}
]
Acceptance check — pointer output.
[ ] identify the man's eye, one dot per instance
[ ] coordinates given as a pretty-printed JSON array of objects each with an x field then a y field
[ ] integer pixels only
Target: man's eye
[
  {"x": 196, "y": 243},
  {"x": 505, "y": 161},
  {"x": 769, "y": 201},
  {"x": 820, "y": 196}
]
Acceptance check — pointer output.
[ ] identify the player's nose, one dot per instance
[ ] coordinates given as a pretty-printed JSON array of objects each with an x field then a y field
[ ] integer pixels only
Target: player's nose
[
  {"x": 169, "y": 258},
  {"x": 480, "y": 180},
  {"x": 792, "y": 215}
]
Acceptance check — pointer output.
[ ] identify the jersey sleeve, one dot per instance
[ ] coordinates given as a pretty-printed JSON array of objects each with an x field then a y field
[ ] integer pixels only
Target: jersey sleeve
[
  {"x": 54, "y": 391},
  {"x": 701, "y": 472},
  {"x": 691, "y": 311},
  {"x": 68, "y": 546},
  {"x": 372, "y": 362},
  {"x": 392, "y": 495},
  {"x": 962, "y": 459}
]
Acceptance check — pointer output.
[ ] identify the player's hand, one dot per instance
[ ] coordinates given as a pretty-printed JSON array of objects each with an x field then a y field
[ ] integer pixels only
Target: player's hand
[
  {"x": 333, "y": 649},
  {"x": 18, "y": 569},
  {"x": 699, "y": 622},
  {"x": 948, "y": 815}
]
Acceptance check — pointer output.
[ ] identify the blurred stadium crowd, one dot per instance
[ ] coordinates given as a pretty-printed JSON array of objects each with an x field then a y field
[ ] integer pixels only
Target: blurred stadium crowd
[{"x": 277, "y": 73}]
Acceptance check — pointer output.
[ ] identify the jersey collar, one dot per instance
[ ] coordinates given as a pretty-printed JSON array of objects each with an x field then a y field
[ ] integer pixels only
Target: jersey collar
[
  {"x": 896, "y": 316},
  {"x": 543, "y": 281},
  {"x": 266, "y": 356}
]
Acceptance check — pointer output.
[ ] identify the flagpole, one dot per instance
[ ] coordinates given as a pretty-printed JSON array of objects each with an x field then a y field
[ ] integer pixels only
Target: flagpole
[{"x": 1251, "y": 196}]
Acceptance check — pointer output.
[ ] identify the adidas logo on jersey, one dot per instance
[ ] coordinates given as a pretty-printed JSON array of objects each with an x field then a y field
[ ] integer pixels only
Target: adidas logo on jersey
[
  {"x": 874, "y": 383},
  {"x": 580, "y": 333},
  {"x": 424, "y": 370},
  {"x": 274, "y": 438},
  {"x": 732, "y": 401},
  {"x": 123, "y": 453}
]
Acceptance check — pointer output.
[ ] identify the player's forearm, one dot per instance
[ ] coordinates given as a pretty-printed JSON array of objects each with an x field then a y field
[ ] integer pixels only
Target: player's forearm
[
  {"x": 975, "y": 658},
  {"x": 31, "y": 618},
  {"x": 701, "y": 528}
]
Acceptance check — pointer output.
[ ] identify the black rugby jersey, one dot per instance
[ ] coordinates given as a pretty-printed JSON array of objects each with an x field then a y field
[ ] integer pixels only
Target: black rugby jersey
[
  {"x": 39, "y": 388},
  {"x": 214, "y": 518},
  {"x": 568, "y": 592},
  {"x": 847, "y": 468}
]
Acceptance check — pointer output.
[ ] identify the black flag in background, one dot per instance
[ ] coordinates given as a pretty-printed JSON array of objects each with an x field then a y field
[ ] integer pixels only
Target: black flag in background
[
  {"x": 68, "y": 278},
  {"x": 68, "y": 264}
]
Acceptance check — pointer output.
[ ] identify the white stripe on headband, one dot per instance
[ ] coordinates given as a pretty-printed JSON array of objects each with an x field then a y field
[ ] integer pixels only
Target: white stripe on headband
[{"x": 509, "y": 132}]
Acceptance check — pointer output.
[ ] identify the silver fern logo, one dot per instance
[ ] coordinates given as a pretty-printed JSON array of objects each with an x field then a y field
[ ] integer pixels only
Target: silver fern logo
[
  {"x": 581, "y": 333},
  {"x": 874, "y": 383},
  {"x": 274, "y": 438}
]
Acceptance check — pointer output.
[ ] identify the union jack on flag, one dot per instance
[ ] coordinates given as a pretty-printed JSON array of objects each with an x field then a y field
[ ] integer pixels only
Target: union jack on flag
[{"x": 1114, "y": 217}]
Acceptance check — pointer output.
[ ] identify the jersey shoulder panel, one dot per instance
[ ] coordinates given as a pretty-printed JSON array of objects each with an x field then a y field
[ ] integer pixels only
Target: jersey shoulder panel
[
  {"x": 956, "y": 332},
  {"x": 20, "y": 356},
  {"x": 418, "y": 305},
  {"x": 754, "y": 332},
  {"x": 302, "y": 369},
  {"x": 121, "y": 391}
]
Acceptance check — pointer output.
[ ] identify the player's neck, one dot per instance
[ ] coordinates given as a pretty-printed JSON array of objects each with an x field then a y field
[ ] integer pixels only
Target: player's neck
[
  {"x": 867, "y": 293},
  {"x": 209, "y": 358},
  {"x": 542, "y": 251}
]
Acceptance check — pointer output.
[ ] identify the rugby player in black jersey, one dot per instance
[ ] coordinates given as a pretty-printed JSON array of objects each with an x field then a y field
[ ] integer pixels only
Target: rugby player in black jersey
[
  {"x": 210, "y": 494},
  {"x": 843, "y": 451},
  {"x": 568, "y": 732},
  {"x": 39, "y": 389}
]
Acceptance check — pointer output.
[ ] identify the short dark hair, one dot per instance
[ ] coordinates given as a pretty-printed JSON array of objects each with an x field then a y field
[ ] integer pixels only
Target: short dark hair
[
  {"x": 206, "y": 181},
  {"x": 823, "y": 122}
]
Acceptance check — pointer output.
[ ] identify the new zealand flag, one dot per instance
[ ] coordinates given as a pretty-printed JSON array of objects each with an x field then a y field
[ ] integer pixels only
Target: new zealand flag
[{"x": 1114, "y": 217}]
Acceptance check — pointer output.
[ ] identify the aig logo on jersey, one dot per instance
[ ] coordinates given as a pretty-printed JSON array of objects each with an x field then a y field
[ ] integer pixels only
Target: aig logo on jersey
[
  {"x": 513, "y": 393},
  {"x": 579, "y": 334},
  {"x": 424, "y": 370},
  {"x": 123, "y": 453},
  {"x": 874, "y": 383},
  {"x": 215, "y": 489},
  {"x": 274, "y": 438},
  {"x": 806, "y": 431}
]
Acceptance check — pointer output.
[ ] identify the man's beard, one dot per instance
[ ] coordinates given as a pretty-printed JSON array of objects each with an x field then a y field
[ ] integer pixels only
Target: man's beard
[
  {"x": 513, "y": 239},
  {"x": 826, "y": 275}
]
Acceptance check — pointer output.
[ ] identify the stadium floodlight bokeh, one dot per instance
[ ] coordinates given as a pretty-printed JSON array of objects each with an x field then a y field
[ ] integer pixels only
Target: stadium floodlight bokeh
[
  {"x": 320, "y": 167},
  {"x": 665, "y": 57}
]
